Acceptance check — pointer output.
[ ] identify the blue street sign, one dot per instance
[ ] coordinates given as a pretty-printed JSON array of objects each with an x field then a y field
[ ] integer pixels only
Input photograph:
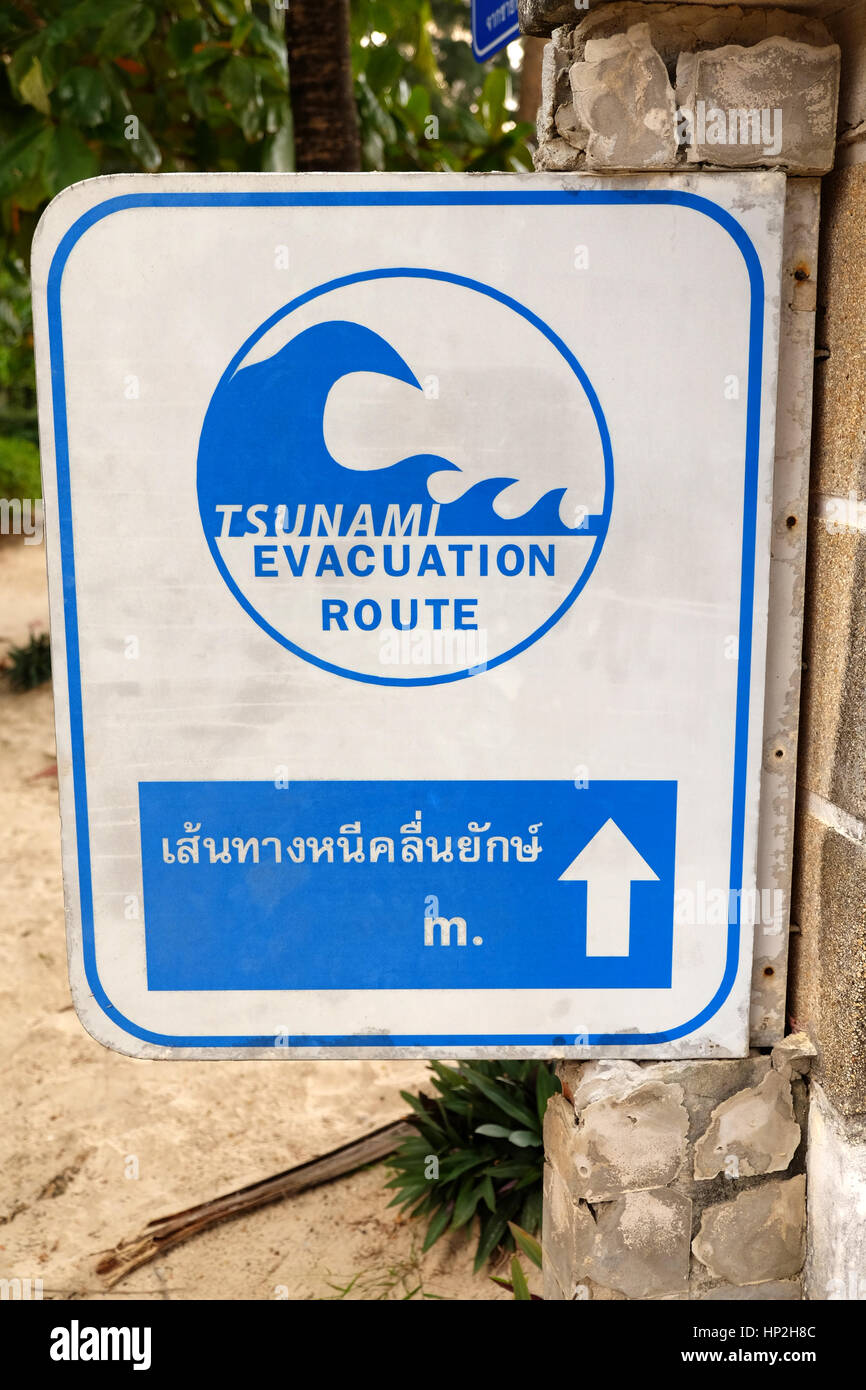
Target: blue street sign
[
  {"x": 396, "y": 885},
  {"x": 494, "y": 24},
  {"x": 412, "y": 699}
]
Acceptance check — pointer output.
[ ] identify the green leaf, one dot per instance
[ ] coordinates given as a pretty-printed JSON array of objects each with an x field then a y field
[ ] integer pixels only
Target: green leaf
[
  {"x": 529, "y": 1179},
  {"x": 494, "y": 1131},
  {"x": 437, "y": 1227},
  {"x": 85, "y": 96},
  {"x": 487, "y": 1192},
  {"x": 273, "y": 44},
  {"x": 468, "y": 1197},
  {"x": 446, "y": 1075},
  {"x": 518, "y": 1281},
  {"x": 228, "y": 11},
  {"x": 493, "y": 95},
  {"x": 493, "y": 1228},
  {"x": 546, "y": 1085},
  {"x": 384, "y": 67},
  {"x": 19, "y": 468},
  {"x": 87, "y": 15},
  {"x": 525, "y": 1138},
  {"x": 32, "y": 88},
  {"x": 126, "y": 31},
  {"x": 419, "y": 104},
  {"x": 241, "y": 32},
  {"x": 423, "y": 1113},
  {"x": 21, "y": 158},
  {"x": 527, "y": 1243},
  {"x": 501, "y": 1098},
  {"x": 208, "y": 57},
  {"x": 182, "y": 38},
  {"x": 68, "y": 158},
  {"x": 455, "y": 1165},
  {"x": 239, "y": 82},
  {"x": 514, "y": 1168}
]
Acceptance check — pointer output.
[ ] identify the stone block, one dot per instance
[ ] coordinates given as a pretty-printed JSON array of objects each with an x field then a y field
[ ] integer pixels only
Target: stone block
[
  {"x": 677, "y": 28},
  {"x": 570, "y": 128},
  {"x": 540, "y": 17},
  {"x": 752, "y": 1132},
  {"x": 555, "y": 89},
  {"x": 623, "y": 97},
  {"x": 560, "y": 1134},
  {"x": 793, "y": 1055},
  {"x": 630, "y": 1144},
  {"x": 585, "y": 1082},
  {"x": 641, "y": 1246},
  {"x": 705, "y": 1083},
  {"x": 567, "y": 1235},
  {"x": 756, "y": 1237},
  {"x": 774, "y": 104},
  {"x": 558, "y": 157},
  {"x": 776, "y": 1291},
  {"x": 622, "y": 1144},
  {"x": 597, "y": 1293}
]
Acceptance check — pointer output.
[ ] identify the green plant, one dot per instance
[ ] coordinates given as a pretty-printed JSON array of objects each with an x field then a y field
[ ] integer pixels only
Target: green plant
[
  {"x": 17, "y": 373},
  {"x": 102, "y": 86},
  {"x": 30, "y": 665},
  {"x": 518, "y": 1283},
  {"x": 423, "y": 101},
  {"x": 19, "y": 468},
  {"x": 107, "y": 86},
  {"x": 478, "y": 1152}
]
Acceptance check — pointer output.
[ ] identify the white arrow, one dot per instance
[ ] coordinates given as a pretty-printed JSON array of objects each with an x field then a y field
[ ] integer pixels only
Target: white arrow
[{"x": 608, "y": 865}]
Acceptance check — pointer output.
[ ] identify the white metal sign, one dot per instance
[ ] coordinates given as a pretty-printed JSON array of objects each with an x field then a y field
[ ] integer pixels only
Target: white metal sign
[{"x": 408, "y": 554}]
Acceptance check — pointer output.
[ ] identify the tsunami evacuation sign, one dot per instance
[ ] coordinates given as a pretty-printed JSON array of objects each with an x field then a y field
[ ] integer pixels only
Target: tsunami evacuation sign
[{"x": 408, "y": 559}]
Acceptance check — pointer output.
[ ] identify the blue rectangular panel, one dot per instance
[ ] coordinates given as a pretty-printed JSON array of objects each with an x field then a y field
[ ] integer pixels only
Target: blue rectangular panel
[
  {"x": 354, "y": 885},
  {"x": 494, "y": 24}
]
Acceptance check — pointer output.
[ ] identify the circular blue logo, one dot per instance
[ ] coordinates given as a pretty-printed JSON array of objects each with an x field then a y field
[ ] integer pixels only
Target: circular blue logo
[{"x": 405, "y": 477}]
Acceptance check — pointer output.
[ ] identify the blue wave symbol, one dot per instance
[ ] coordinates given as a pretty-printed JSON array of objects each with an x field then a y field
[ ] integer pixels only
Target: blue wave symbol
[{"x": 263, "y": 442}]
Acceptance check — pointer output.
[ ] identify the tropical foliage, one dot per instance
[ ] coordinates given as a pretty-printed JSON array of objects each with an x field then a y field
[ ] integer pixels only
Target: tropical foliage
[
  {"x": 477, "y": 1160},
  {"x": 108, "y": 86}
]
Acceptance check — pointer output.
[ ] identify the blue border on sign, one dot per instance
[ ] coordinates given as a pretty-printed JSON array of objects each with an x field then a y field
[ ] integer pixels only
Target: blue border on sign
[
  {"x": 574, "y": 198},
  {"x": 502, "y": 40},
  {"x": 415, "y": 273}
]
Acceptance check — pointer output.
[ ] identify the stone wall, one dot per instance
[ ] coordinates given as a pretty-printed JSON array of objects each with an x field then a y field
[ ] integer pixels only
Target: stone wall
[
  {"x": 635, "y": 86},
  {"x": 680, "y": 1180}
]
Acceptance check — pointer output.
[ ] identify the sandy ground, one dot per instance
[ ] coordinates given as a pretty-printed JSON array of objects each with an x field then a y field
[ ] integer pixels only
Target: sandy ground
[{"x": 73, "y": 1115}]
